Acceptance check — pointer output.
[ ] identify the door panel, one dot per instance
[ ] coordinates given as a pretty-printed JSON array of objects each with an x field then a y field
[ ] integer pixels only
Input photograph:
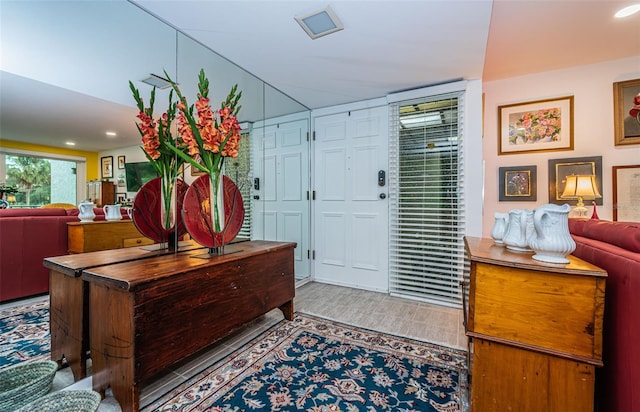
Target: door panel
[
  {"x": 282, "y": 206},
  {"x": 351, "y": 232}
]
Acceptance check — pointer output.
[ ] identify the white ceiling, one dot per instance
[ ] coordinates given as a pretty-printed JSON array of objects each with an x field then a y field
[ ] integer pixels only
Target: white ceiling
[{"x": 386, "y": 46}]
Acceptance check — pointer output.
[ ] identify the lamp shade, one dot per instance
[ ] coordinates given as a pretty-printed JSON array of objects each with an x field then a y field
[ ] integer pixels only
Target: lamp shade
[{"x": 581, "y": 186}]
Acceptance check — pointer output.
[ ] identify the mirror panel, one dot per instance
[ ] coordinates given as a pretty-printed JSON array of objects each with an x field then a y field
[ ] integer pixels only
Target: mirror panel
[
  {"x": 96, "y": 48},
  {"x": 93, "y": 48}
]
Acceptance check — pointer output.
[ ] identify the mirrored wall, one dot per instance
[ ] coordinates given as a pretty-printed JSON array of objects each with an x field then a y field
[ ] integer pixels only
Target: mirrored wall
[{"x": 95, "y": 48}]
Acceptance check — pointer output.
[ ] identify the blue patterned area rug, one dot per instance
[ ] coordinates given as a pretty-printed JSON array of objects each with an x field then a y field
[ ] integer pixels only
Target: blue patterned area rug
[
  {"x": 313, "y": 364},
  {"x": 24, "y": 333}
]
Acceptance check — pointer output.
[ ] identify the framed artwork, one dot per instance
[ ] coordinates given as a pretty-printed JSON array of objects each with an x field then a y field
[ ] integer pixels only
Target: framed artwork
[
  {"x": 517, "y": 183},
  {"x": 626, "y": 193},
  {"x": 106, "y": 166},
  {"x": 121, "y": 162},
  {"x": 559, "y": 169},
  {"x": 536, "y": 126},
  {"x": 626, "y": 112}
]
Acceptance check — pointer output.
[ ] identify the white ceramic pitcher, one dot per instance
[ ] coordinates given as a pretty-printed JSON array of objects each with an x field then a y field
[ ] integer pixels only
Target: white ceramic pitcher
[
  {"x": 112, "y": 212},
  {"x": 86, "y": 211},
  {"x": 519, "y": 230},
  {"x": 499, "y": 228},
  {"x": 552, "y": 241}
]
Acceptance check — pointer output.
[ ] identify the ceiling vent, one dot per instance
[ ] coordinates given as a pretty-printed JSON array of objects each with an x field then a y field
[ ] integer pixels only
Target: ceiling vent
[
  {"x": 157, "y": 81},
  {"x": 320, "y": 23}
]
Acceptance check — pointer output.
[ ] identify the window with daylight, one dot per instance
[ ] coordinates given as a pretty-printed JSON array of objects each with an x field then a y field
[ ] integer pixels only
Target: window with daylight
[
  {"x": 426, "y": 255},
  {"x": 40, "y": 179}
]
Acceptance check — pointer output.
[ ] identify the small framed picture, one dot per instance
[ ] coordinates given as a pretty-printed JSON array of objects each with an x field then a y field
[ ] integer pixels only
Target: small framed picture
[
  {"x": 536, "y": 126},
  {"x": 517, "y": 183},
  {"x": 559, "y": 169},
  {"x": 106, "y": 166},
  {"x": 120, "y": 162},
  {"x": 626, "y": 112},
  {"x": 626, "y": 192}
]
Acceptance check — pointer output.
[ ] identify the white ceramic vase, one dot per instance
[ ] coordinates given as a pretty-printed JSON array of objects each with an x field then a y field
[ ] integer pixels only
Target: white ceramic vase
[{"x": 552, "y": 241}]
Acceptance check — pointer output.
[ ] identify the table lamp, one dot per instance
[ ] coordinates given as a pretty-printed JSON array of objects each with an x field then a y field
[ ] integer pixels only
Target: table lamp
[{"x": 579, "y": 187}]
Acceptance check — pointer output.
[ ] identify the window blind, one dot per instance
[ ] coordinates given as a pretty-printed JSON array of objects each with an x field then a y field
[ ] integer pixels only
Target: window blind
[
  {"x": 426, "y": 256},
  {"x": 238, "y": 169}
]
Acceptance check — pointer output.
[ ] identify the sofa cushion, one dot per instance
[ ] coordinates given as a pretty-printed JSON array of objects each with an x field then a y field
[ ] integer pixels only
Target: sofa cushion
[
  {"x": 622, "y": 234},
  {"x": 20, "y": 212}
]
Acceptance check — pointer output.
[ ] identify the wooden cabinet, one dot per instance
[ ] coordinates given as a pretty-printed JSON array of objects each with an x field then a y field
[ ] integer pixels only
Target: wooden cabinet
[
  {"x": 103, "y": 235},
  {"x": 146, "y": 315},
  {"x": 101, "y": 193},
  {"x": 536, "y": 331}
]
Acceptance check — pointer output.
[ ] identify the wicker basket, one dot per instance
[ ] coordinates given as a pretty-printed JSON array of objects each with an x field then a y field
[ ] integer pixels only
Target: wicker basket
[
  {"x": 65, "y": 401},
  {"x": 25, "y": 382}
]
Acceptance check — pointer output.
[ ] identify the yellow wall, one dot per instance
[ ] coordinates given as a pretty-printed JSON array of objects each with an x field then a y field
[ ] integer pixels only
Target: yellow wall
[{"x": 92, "y": 157}]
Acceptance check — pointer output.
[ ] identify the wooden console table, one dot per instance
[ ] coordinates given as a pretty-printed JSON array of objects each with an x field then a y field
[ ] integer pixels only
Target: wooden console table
[
  {"x": 536, "y": 330},
  {"x": 103, "y": 235},
  {"x": 155, "y": 312},
  {"x": 69, "y": 299}
]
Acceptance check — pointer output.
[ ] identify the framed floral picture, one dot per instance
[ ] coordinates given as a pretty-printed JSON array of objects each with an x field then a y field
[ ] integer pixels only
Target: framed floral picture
[
  {"x": 626, "y": 112},
  {"x": 536, "y": 126},
  {"x": 517, "y": 183},
  {"x": 106, "y": 166},
  {"x": 559, "y": 169},
  {"x": 626, "y": 192}
]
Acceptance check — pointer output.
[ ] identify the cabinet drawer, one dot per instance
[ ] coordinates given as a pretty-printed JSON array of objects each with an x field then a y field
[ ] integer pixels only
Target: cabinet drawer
[{"x": 136, "y": 241}]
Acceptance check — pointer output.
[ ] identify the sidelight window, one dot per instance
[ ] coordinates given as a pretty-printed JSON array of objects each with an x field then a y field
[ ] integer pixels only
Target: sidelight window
[{"x": 426, "y": 255}]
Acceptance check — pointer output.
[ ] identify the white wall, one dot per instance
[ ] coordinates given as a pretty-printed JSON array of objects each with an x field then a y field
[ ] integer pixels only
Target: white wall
[
  {"x": 132, "y": 154},
  {"x": 592, "y": 88}
]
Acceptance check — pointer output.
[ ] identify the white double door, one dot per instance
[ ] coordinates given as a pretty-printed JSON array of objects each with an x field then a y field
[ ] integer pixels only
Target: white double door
[
  {"x": 351, "y": 212},
  {"x": 280, "y": 204}
]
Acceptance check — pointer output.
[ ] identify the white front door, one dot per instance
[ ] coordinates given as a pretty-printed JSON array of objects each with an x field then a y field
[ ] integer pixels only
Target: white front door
[
  {"x": 351, "y": 214},
  {"x": 280, "y": 204}
]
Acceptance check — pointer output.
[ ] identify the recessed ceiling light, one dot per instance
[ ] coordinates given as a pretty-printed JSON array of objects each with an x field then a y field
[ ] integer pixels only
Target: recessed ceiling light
[
  {"x": 320, "y": 23},
  {"x": 70, "y": 143},
  {"x": 111, "y": 134},
  {"x": 628, "y": 11},
  {"x": 157, "y": 81}
]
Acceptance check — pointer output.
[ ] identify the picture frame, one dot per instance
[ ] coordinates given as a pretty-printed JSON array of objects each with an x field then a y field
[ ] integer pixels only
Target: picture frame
[
  {"x": 536, "y": 126},
  {"x": 626, "y": 192},
  {"x": 559, "y": 169},
  {"x": 106, "y": 167},
  {"x": 517, "y": 183},
  {"x": 626, "y": 97},
  {"x": 121, "y": 162}
]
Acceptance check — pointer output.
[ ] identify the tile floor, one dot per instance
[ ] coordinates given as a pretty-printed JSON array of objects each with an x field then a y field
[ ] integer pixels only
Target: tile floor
[{"x": 371, "y": 310}]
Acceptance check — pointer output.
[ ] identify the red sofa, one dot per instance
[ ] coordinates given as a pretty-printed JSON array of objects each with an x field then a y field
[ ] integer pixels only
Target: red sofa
[
  {"x": 27, "y": 236},
  {"x": 615, "y": 247}
]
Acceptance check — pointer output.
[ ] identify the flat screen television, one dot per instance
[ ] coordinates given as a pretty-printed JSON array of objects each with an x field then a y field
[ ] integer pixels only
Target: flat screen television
[{"x": 138, "y": 174}]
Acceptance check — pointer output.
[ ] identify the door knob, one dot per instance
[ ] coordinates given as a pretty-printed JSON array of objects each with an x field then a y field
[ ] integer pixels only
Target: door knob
[{"x": 382, "y": 196}]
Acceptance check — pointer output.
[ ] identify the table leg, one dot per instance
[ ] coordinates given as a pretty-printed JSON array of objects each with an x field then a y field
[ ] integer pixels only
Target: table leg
[
  {"x": 287, "y": 310},
  {"x": 67, "y": 322},
  {"x": 112, "y": 345}
]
